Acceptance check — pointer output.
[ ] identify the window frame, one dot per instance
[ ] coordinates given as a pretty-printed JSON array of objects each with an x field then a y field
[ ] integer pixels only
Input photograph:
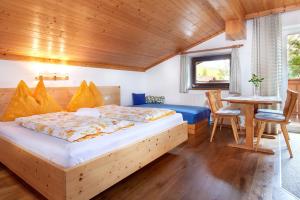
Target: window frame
[
  {"x": 213, "y": 85},
  {"x": 286, "y": 31},
  {"x": 287, "y": 53}
]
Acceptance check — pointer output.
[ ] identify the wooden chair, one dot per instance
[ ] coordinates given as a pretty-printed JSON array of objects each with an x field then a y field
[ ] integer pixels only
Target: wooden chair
[
  {"x": 277, "y": 118},
  {"x": 218, "y": 94},
  {"x": 214, "y": 99}
]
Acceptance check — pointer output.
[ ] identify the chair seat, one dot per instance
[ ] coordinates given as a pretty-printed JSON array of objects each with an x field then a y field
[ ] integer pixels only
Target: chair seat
[
  {"x": 229, "y": 112},
  {"x": 270, "y": 111},
  {"x": 270, "y": 117}
]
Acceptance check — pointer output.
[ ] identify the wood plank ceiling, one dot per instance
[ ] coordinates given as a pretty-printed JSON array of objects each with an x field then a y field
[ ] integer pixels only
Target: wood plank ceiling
[{"x": 119, "y": 34}]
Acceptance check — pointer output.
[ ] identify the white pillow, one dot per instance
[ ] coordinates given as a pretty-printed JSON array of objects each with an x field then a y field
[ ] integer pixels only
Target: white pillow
[{"x": 89, "y": 112}]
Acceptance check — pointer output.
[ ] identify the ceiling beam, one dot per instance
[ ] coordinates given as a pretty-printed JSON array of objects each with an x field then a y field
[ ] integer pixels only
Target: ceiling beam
[
  {"x": 273, "y": 11},
  {"x": 228, "y": 9},
  {"x": 233, "y": 13},
  {"x": 235, "y": 29}
]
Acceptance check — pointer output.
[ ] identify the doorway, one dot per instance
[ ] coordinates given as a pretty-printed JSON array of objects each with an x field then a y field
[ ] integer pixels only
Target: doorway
[{"x": 293, "y": 63}]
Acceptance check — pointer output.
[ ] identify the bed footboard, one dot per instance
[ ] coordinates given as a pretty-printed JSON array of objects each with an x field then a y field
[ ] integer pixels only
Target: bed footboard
[
  {"x": 90, "y": 178},
  {"x": 46, "y": 177}
]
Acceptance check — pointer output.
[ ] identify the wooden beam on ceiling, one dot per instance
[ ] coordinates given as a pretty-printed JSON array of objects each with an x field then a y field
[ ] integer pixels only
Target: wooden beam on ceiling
[
  {"x": 228, "y": 9},
  {"x": 235, "y": 29},
  {"x": 273, "y": 11},
  {"x": 233, "y": 13}
]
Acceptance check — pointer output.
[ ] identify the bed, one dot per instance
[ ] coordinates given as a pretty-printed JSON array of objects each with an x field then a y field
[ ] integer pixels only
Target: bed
[
  {"x": 62, "y": 170},
  {"x": 197, "y": 117}
]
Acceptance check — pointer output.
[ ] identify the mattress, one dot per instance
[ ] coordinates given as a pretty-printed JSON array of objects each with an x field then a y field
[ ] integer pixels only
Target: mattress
[
  {"x": 68, "y": 154},
  {"x": 191, "y": 114}
]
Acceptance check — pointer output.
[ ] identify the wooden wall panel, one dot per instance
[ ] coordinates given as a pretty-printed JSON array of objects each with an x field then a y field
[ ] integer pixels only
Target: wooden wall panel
[
  {"x": 117, "y": 34},
  {"x": 128, "y": 34}
]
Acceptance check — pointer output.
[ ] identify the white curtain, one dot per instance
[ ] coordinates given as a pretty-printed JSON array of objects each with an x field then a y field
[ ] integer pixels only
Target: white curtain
[
  {"x": 235, "y": 72},
  {"x": 185, "y": 70},
  {"x": 267, "y": 56}
]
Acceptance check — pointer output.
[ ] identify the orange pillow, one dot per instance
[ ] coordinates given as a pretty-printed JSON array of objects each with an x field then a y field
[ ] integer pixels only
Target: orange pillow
[
  {"x": 98, "y": 97},
  {"x": 83, "y": 98},
  {"x": 47, "y": 102},
  {"x": 22, "y": 104}
]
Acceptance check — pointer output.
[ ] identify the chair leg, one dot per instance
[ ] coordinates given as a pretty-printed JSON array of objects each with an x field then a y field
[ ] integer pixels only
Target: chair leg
[
  {"x": 238, "y": 123},
  {"x": 214, "y": 129},
  {"x": 257, "y": 128},
  {"x": 260, "y": 132},
  {"x": 221, "y": 123},
  {"x": 238, "y": 129},
  {"x": 286, "y": 138},
  {"x": 234, "y": 130}
]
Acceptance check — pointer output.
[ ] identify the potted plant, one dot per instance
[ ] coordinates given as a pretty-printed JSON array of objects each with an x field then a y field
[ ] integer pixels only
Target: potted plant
[{"x": 256, "y": 82}]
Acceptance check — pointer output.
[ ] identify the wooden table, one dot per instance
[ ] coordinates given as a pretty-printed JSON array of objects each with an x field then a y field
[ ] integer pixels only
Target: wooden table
[{"x": 250, "y": 106}]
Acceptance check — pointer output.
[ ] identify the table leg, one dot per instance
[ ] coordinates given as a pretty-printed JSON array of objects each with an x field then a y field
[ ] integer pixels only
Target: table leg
[
  {"x": 249, "y": 125},
  {"x": 249, "y": 116},
  {"x": 256, "y": 126}
]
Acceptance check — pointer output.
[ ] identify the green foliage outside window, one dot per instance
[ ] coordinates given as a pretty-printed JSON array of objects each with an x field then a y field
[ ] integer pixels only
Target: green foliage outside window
[
  {"x": 216, "y": 70},
  {"x": 294, "y": 56}
]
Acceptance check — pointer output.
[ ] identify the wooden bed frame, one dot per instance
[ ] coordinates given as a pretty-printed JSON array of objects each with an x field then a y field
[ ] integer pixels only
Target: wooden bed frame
[{"x": 90, "y": 178}]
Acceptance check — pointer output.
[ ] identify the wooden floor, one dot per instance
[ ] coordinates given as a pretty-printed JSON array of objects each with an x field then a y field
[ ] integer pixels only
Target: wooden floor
[
  {"x": 195, "y": 170},
  {"x": 294, "y": 126}
]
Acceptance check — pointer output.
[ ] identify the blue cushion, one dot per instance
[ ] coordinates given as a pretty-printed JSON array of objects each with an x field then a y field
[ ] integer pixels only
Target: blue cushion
[
  {"x": 270, "y": 111},
  {"x": 270, "y": 117},
  {"x": 138, "y": 99},
  {"x": 191, "y": 114},
  {"x": 233, "y": 112}
]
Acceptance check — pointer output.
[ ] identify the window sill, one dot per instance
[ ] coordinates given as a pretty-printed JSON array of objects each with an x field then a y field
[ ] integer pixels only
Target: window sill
[{"x": 209, "y": 88}]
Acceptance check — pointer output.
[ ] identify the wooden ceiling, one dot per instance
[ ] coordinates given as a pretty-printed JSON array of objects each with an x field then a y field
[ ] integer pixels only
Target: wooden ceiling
[{"x": 118, "y": 34}]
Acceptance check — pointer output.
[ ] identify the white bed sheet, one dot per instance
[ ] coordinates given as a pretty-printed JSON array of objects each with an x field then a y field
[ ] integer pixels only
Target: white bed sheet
[{"x": 68, "y": 154}]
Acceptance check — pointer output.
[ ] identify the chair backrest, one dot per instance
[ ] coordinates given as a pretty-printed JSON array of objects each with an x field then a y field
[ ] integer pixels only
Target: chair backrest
[
  {"x": 290, "y": 103},
  {"x": 218, "y": 94},
  {"x": 214, "y": 100}
]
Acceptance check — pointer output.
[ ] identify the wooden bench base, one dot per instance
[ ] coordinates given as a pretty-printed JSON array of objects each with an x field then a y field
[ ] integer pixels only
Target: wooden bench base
[{"x": 198, "y": 128}]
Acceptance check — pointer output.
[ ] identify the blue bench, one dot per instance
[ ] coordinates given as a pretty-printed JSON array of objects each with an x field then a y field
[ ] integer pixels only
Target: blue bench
[{"x": 196, "y": 116}]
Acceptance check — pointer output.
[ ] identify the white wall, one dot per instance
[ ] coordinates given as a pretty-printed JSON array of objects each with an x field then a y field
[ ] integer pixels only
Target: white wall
[
  {"x": 11, "y": 72},
  {"x": 291, "y": 18},
  {"x": 163, "y": 79}
]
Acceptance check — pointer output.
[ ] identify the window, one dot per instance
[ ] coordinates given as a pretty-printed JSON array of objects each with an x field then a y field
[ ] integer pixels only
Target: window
[
  {"x": 293, "y": 56},
  {"x": 211, "y": 72}
]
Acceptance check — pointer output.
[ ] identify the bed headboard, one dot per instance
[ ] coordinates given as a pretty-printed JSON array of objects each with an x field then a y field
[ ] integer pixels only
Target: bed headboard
[{"x": 63, "y": 95}]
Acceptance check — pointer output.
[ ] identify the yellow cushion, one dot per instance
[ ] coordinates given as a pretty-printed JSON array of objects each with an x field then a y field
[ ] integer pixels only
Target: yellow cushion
[
  {"x": 22, "y": 104},
  {"x": 47, "y": 103},
  {"x": 83, "y": 98},
  {"x": 98, "y": 97}
]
